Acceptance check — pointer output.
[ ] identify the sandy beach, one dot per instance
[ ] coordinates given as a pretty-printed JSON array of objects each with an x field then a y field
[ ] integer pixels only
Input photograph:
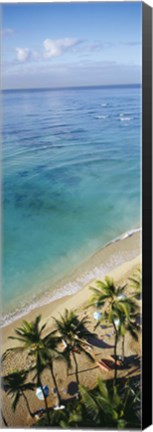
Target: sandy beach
[{"x": 88, "y": 372}]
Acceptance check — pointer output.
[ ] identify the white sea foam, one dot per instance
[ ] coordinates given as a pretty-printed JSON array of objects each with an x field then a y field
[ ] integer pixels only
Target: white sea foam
[
  {"x": 101, "y": 117},
  {"x": 125, "y": 235},
  {"x": 125, "y": 117},
  {"x": 72, "y": 287}
]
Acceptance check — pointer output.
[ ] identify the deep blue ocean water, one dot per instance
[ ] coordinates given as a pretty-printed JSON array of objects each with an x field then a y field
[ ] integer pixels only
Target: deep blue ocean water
[{"x": 70, "y": 181}]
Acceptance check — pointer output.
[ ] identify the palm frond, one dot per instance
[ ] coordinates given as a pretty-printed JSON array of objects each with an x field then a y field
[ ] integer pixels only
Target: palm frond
[
  {"x": 103, "y": 389},
  {"x": 89, "y": 402}
]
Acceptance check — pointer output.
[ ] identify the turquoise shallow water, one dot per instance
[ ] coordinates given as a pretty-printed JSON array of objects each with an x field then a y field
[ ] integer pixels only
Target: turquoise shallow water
[{"x": 71, "y": 181}]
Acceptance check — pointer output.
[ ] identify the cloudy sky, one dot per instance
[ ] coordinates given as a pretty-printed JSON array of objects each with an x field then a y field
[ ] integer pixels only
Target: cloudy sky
[{"x": 71, "y": 44}]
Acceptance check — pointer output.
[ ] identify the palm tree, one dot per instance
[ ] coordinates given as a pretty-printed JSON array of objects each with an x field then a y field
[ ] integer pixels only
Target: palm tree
[
  {"x": 128, "y": 325},
  {"x": 114, "y": 304},
  {"x": 111, "y": 407},
  {"x": 136, "y": 282},
  {"x": 105, "y": 406},
  {"x": 113, "y": 317},
  {"x": 51, "y": 354},
  {"x": 30, "y": 338},
  {"x": 110, "y": 298},
  {"x": 15, "y": 385},
  {"x": 73, "y": 333}
]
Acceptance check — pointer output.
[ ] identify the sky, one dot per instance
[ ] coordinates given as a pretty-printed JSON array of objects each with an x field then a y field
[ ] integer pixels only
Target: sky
[{"x": 71, "y": 44}]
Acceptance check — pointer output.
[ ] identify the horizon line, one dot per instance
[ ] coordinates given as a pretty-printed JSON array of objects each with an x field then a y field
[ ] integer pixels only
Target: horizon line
[{"x": 72, "y": 87}]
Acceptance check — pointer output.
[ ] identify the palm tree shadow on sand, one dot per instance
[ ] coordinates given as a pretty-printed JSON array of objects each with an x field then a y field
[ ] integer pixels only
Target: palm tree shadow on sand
[
  {"x": 84, "y": 370},
  {"x": 95, "y": 341},
  {"x": 92, "y": 339},
  {"x": 132, "y": 360},
  {"x": 129, "y": 362}
]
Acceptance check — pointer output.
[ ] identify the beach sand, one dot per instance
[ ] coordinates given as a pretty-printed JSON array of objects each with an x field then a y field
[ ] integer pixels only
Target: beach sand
[{"x": 129, "y": 248}]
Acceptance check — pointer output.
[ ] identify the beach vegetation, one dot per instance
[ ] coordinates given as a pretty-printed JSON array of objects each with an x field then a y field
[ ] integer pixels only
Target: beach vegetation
[
  {"x": 117, "y": 308},
  {"x": 128, "y": 325},
  {"x": 136, "y": 283},
  {"x": 16, "y": 385},
  {"x": 106, "y": 406},
  {"x": 113, "y": 403},
  {"x": 51, "y": 355},
  {"x": 74, "y": 333},
  {"x": 30, "y": 337}
]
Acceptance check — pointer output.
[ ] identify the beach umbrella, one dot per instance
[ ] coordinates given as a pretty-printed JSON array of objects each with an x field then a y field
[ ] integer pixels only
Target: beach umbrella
[
  {"x": 121, "y": 296},
  {"x": 39, "y": 392},
  {"x": 64, "y": 343},
  {"x": 97, "y": 315},
  {"x": 59, "y": 407},
  {"x": 117, "y": 323}
]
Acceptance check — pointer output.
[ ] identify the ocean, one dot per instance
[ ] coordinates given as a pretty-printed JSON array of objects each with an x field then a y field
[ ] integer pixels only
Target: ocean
[{"x": 71, "y": 168}]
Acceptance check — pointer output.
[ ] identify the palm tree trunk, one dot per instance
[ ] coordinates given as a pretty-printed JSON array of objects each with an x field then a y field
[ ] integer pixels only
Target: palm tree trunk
[
  {"x": 115, "y": 356},
  {"x": 4, "y": 420},
  {"x": 27, "y": 405},
  {"x": 45, "y": 400},
  {"x": 55, "y": 383},
  {"x": 123, "y": 347},
  {"x": 76, "y": 368}
]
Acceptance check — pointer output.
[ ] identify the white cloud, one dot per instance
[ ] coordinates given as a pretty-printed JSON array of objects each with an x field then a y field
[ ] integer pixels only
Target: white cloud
[
  {"x": 23, "y": 54},
  {"x": 56, "y": 47},
  {"x": 52, "y": 48}
]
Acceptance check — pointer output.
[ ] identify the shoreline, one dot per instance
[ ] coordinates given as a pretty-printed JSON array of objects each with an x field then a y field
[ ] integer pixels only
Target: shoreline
[
  {"x": 107, "y": 258},
  {"x": 129, "y": 248}
]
